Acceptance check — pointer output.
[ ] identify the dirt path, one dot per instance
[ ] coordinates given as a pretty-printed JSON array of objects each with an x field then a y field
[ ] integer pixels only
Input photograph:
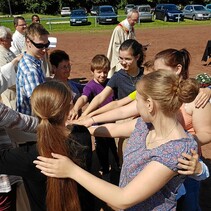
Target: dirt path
[{"x": 82, "y": 47}]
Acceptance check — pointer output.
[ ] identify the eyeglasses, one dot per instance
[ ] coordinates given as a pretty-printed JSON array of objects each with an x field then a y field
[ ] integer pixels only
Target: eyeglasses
[
  {"x": 40, "y": 45},
  {"x": 24, "y": 24}
]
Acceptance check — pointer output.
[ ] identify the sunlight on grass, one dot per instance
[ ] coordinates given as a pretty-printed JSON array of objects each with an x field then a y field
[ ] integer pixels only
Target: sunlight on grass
[{"x": 63, "y": 24}]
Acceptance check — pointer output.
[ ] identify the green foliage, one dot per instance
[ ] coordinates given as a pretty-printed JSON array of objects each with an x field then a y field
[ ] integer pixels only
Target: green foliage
[{"x": 54, "y": 6}]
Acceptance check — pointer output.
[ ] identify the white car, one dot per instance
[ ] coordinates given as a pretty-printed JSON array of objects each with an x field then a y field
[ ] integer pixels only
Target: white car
[{"x": 65, "y": 11}]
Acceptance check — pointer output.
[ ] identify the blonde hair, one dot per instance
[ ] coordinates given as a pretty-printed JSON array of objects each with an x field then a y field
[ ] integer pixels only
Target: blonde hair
[
  {"x": 51, "y": 104},
  {"x": 168, "y": 89}
]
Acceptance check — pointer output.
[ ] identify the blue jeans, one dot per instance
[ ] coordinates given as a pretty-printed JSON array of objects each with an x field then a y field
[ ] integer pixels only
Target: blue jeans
[{"x": 190, "y": 201}]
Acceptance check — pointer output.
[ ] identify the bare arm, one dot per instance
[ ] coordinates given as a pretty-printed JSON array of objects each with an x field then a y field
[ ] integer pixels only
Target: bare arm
[
  {"x": 74, "y": 113},
  {"x": 98, "y": 100},
  {"x": 144, "y": 185},
  {"x": 114, "y": 130},
  {"x": 201, "y": 119},
  {"x": 120, "y": 113},
  {"x": 110, "y": 106}
]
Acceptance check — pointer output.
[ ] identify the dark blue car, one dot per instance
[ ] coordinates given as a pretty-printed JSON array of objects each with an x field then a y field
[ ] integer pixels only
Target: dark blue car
[
  {"x": 168, "y": 12},
  {"x": 78, "y": 17},
  {"x": 106, "y": 14}
]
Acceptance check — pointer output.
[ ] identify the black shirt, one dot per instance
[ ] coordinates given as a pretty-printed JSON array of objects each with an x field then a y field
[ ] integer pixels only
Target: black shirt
[{"x": 19, "y": 161}]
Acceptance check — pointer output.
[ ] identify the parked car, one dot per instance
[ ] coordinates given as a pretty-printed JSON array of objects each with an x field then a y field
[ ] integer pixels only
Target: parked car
[
  {"x": 144, "y": 12},
  {"x": 129, "y": 7},
  {"x": 168, "y": 12},
  {"x": 196, "y": 12},
  {"x": 208, "y": 7},
  {"x": 94, "y": 10},
  {"x": 65, "y": 11},
  {"x": 78, "y": 17},
  {"x": 106, "y": 14}
]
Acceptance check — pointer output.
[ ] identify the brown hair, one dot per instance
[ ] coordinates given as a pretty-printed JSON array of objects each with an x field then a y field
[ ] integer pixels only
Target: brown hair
[
  {"x": 136, "y": 49},
  {"x": 57, "y": 56},
  {"x": 16, "y": 19},
  {"x": 173, "y": 57},
  {"x": 35, "y": 29},
  {"x": 100, "y": 62},
  {"x": 168, "y": 89},
  {"x": 51, "y": 103},
  {"x": 148, "y": 66}
]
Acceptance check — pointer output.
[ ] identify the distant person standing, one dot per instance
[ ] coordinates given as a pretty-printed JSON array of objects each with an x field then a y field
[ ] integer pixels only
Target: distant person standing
[
  {"x": 18, "y": 38},
  {"x": 35, "y": 19},
  {"x": 123, "y": 31},
  {"x": 30, "y": 73}
]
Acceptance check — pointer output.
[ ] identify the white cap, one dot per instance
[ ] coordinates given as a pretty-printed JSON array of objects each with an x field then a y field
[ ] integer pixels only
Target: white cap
[{"x": 53, "y": 42}]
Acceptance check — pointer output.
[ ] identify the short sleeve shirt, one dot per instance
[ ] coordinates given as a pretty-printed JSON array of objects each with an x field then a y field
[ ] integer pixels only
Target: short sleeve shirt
[
  {"x": 137, "y": 156},
  {"x": 123, "y": 84},
  {"x": 93, "y": 88}
]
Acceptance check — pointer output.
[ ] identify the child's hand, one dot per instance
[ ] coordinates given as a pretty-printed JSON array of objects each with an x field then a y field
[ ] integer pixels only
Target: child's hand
[{"x": 73, "y": 114}]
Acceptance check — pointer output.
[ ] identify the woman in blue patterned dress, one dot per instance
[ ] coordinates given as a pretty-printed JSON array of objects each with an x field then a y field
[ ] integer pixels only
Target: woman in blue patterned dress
[{"x": 149, "y": 178}]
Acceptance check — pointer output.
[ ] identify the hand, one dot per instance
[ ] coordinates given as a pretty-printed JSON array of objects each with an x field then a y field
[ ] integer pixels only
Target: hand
[
  {"x": 87, "y": 122},
  {"x": 73, "y": 114},
  {"x": 59, "y": 166},
  {"x": 82, "y": 117},
  {"x": 17, "y": 58},
  {"x": 189, "y": 164},
  {"x": 203, "y": 97}
]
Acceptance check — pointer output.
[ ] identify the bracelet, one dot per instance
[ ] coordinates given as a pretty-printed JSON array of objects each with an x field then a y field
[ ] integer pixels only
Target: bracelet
[{"x": 93, "y": 120}]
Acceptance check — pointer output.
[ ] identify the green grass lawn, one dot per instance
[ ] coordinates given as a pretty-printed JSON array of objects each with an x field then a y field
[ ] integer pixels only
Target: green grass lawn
[{"x": 64, "y": 26}]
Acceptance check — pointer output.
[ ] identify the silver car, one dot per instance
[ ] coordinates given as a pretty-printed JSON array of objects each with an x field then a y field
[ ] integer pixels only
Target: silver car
[
  {"x": 144, "y": 12},
  {"x": 196, "y": 12},
  {"x": 129, "y": 7}
]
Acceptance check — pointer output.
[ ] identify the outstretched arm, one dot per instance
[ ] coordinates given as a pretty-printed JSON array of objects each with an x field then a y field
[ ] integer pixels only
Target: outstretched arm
[
  {"x": 114, "y": 130},
  {"x": 110, "y": 106},
  {"x": 15, "y": 120},
  {"x": 98, "y": 100},
  {"x": 144, "y": 185},
  {"x": 74, "y": 112},
  {"x": 120, "y": 113}
]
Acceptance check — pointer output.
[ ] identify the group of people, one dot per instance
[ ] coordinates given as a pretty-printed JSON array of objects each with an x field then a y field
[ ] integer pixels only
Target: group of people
[{"x": 167, "y": 118}]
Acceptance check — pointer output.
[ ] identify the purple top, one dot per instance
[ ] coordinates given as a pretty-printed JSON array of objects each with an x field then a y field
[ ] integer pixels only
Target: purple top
[
  {"x": 93, "y": 88},
  {"x": 137, "y": 156}
]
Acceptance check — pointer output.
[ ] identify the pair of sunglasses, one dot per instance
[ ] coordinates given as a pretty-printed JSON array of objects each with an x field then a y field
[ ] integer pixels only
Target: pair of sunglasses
[{"x": 40, "y": 45}]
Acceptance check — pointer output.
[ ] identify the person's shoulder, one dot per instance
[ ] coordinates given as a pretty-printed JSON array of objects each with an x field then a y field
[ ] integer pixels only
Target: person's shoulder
[
  {"x": 90, "y": 84},
  {"x": 120, "y": 72}
]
